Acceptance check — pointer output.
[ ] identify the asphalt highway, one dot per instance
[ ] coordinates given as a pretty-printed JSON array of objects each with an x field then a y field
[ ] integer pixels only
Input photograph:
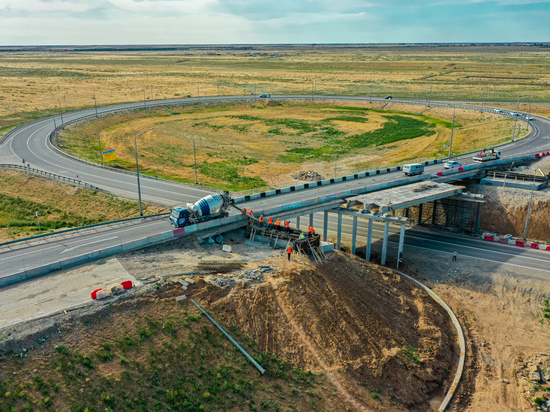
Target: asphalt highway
[{"x": 30, "y": 143}]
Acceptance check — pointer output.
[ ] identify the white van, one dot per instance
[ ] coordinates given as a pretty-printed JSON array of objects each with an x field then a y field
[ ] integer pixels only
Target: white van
[{"x": 413, "y": 169}]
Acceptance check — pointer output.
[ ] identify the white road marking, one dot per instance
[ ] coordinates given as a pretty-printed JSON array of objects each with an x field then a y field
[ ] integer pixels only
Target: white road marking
[{"x": 87, "y": 244}]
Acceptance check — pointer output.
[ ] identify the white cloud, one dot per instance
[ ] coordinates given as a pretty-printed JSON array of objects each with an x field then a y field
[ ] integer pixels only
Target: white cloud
[{"x": 37, "y": 6}]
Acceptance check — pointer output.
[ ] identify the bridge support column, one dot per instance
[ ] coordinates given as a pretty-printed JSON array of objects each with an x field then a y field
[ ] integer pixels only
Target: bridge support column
[
  {"x": 369, "y": 241},
  {"x": 385, "y": 242},
  {"x": 354, "y": 235},
  {"x": 420, "y": 213},
  {"x": 298, "y": 222},
  {"x": 401, "y": 242},
  {"x": 325, "y": 226},
  {"x": 311, "y": 219},
  {"x": 339, "y": 234},
  {"x": 478, "y": 217}
]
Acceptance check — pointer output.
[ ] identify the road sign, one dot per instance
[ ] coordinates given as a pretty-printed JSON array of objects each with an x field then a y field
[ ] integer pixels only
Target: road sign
[{"x": 109, "y": 155}]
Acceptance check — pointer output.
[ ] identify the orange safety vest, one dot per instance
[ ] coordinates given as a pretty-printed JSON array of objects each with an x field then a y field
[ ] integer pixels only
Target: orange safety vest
[
  {"x": 251, "y": 212},
  {"x": 309, "y": 228},
  {"x": 288, "y": 250},
  {"x": 261, "y": 218},
  {"x": 278, "y": 222},
  {"x": 270, "y": 220},
  {"x": 244, "y": 209},
  {"x": 312, "y": 231},
  {"x": 287, "y": 224}
]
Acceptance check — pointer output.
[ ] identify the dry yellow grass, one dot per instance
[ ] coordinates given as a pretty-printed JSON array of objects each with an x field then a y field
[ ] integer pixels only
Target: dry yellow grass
[{"x": 233, "y": 132}]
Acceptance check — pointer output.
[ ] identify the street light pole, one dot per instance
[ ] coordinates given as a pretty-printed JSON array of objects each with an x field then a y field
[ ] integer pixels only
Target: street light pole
[
  {"x": 529, "y": 209},
  {"x": 430, "y": 98},
  {"x": 516, "y": 118},
  {"x": 452, "y": 131},
  {"x": 195, "y": 158},
  {"x": 60, "y": 112},
  {"x": 95, "y": 104},
  {"x": 137, "y": 169},
  {"x": 100, "y": 151}
]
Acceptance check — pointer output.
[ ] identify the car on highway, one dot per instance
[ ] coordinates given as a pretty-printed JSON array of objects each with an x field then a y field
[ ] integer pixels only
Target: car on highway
[
  {"x": 452, "y": 164},
  {"x": 264, "y": 96},
  {"x": 514, "y": 114},
  {"x": 388, "y": 97},
  {"x": 498, "y": 110}
]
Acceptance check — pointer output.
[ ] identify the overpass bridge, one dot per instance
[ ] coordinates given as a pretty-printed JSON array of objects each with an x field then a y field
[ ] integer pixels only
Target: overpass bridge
[{"x": 33, "y": 142}]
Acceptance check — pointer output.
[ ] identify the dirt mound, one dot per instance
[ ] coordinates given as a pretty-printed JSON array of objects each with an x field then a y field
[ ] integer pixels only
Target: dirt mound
[{"x": 379, "y": 340}]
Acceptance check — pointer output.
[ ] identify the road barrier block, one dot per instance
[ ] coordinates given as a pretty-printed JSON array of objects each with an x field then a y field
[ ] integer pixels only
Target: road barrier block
[
  {"x": 180, "y": 231},
  {"x": 13, "y": 278},
  {"x": 460, "y": 169},
  {"x": 520, "y": 243},
  {"x": 439, "y": 173},
  {"x": 94, "y": 293},
  {"x": 127, "y": 284},
  {"x": 134, "y": 244},
  {"x": 102, "y": 294},
  {"x": 108, "y": 251},
  {"x": 503, "y": 240},
  {"x": 548, "y": 248},
  {"x": 159, "y": 237},
  {"x": 512, "y": 242},
  {"x": 42, "y": 270},
  {"x": 490, "y": 238},
  {"x": 534, "y": 245}
]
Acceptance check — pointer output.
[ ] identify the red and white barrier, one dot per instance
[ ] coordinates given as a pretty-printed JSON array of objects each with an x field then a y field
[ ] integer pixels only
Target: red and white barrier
[
  {"x": 112, "y": 289},
  {"x": 490, "y": 238},
  {"x": 534, "y": 245}
]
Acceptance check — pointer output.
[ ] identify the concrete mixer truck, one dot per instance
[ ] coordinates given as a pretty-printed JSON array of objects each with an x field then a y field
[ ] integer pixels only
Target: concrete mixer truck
[{"x": 209, "y": 207}]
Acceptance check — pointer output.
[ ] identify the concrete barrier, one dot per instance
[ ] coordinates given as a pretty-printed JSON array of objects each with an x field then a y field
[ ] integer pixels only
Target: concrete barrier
[
  {"x": 520, "y": 243},
  {"x": 76, "y": 260},
  {"x": 490, "y": 238},
  {"x": 105, "y": 252},
  {"x": 42, "y": 270},
  {"x": 180, "y": 231},
  {"x": 134, "y": 244},
  {"x": 534, "y": 245},
  {"x": 159, "y": 237},
  {"x": 13, "y": 278}
]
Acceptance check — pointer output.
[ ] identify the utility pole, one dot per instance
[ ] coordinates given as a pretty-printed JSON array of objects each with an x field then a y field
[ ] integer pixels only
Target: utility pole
[
  {"x": 529, "y": 209},
  {"x": 100, "y": 151},
  {"x": 38, "y": 218},
  {"x": 55, "y": 131},
  {"x": 144, "y": 104},
  {"x": 61, "y": 113},
  {"x": 65, "y": 98},
  {"x": 370, "y": 96},
  {"x": 430, "y": 98},
  {"x": 95, "y": 104},
  {"x": 218, "y": 89},
  {"x": 195, "y": 158},
  {"x": 452, "y": 130}
]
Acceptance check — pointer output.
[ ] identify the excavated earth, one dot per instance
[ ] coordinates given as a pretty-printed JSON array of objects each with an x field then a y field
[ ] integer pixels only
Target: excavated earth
[{"x": 377, "y": 341}]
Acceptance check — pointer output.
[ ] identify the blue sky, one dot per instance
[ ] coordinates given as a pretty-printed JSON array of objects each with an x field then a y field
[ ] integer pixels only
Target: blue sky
[{"x": 53, "y": 22}]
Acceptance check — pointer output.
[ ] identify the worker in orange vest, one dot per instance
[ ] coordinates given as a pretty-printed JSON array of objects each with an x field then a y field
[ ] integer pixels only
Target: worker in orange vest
[
  {"x": 251, "y": 212},
  {"x": 261, "y": 220},
  {"x": 278, "y": 223},
  {"x": 288, "y": 252},
  {"x": 270, "y": 222},
  {"x": 312, "y": 231},
  {"x": 287, "y": 224},
  {"x": 244, "y": 210},
  {"x": 309, "y": 229}
]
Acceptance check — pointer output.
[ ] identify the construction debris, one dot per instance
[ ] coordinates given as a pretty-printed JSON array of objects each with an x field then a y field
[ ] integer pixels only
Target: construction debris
[
  {"x": 308, "y": 175},
  {"x": 180, "y": 298},
  {"x": 220, "y": 265}
]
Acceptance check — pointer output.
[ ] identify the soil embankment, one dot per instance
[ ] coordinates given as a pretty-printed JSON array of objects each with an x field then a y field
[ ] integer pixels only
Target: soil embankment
[{"x": 346, "y": 335}]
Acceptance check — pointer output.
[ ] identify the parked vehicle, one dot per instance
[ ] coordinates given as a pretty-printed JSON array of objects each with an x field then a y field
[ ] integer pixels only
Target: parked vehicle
[
  {"x": 413, "y": 169},
  {"x": 452, "y": 165},
  {"x": 487, "y": 155},
  {"x": 265, "y": 95},
  {"x": 210, "y": 207}
]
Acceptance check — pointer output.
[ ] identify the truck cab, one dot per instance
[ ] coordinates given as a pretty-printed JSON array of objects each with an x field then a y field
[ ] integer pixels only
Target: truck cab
[{"x": 179, "y": 217}]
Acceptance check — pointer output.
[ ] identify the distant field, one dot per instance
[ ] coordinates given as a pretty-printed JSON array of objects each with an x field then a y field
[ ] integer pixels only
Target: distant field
[
  {"x": 241, "y": 147},
  {"x": 34, "y": 84}
]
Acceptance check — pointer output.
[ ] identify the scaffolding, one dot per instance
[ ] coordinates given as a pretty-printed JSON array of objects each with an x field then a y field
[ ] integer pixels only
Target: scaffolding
[{"x": 305, "y": 245}]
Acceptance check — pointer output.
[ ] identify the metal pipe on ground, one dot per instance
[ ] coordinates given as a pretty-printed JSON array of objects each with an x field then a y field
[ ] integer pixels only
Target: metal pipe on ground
[{"x": 245, "y": 353}]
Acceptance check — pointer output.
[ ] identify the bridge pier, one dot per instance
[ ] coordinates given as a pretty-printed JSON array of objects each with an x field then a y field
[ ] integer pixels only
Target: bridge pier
[
  {"x": 369, "y": 241},
  {"x": 354, "y": 235},
  {"x": 325, "y": 226},
  {"x": 311, "y": 219},
  {"x": 339, "y": 232},
  {"x": 385, "y": 242},
  {"x": 298, "y": 222}
]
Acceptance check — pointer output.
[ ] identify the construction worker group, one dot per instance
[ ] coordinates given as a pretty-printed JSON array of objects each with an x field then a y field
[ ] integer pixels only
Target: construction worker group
[{"x": 278, "y": 223}]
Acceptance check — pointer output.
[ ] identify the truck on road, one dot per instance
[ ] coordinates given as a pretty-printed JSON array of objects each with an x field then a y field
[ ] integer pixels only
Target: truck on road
[
  {"x": 487, "y": 155},
  {"x": 209, "y": 207}
]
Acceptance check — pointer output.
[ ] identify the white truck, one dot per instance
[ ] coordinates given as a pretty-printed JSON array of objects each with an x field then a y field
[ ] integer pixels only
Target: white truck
[{"x": 486, "y": 155}]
